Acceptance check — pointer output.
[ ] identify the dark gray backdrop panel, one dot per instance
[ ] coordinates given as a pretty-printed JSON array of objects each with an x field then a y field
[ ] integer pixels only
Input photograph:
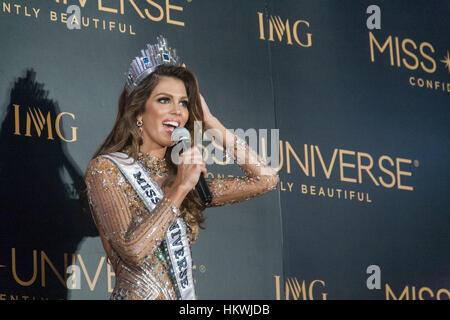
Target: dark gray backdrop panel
[
  {"x": 332, "y": 96},
  {"x": 329, "y": 95},
  {"x": 82, "y": 72}
]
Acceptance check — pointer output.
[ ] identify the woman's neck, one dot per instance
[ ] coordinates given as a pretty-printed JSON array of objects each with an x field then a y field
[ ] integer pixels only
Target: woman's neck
[{"x": 154, "y": 151}]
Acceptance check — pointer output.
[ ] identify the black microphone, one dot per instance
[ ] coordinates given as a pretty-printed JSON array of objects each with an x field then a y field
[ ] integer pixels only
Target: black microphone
[{"x": 181, "y": 136}]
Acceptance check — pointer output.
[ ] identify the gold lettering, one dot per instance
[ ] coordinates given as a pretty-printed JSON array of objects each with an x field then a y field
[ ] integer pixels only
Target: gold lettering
[
  {"x": 365, "y": 167},
  {"x": 277, "y": 288},
  {"x": 310, "y": 293},
  {"x": 53, "y": 16},
  {"x": 58, "y": 128},
  {"x": 97, "y": 273},
  {"x": 313, "y": 163},
  {"x": 389, "y": 292},
  {"x": 16, "y": 119},
  {"x": 304, "y": 167},
  {"x": 39, "y": 122},
  {"x": 380, "y": 164},
  {"x": 36, "y": 12},
  {"x": 295, "y": 288},
  {"x": 328, "y": 170},
  {"x": 416, "y": 61},
  {"x": 321, "y": 192},
  {"x": 280, "y": 28},
  {"x": 173, "y": 7},
  {"x": 6, "y": 7},
  {"x": 26, "y": 12},
  {"x": 122, "y": 7},
  {"x": 425, "y": 289},
  {"x": 102, "y": 8},
  {"x": 161, "y": 11},
  {"x": 427, "y": 57},
  {"x": 110, "y": 275},
  {"x": 403, "y": 173},
  {"x": 137, "y": 9},
  {"x": 14, "y": 271},
  {"x": 397, "y": 51},
  {"x": 381, "y": 48},
  {"x": 352, "y": 194},
  {"x": 64, "y": 17},
  {"x": 440, "y": 291},
  {"x": 290, "y": 185},
  {"x": 44, "y": 258},
  {"x": 261, "y": 25},
  {"x": 304, "y": 189},
  {"x": 74, "y": 20},
  {"x": 308, "y": 35},
  {"x": 343, "y": 164},
  {"x": 95, "y": 22}
]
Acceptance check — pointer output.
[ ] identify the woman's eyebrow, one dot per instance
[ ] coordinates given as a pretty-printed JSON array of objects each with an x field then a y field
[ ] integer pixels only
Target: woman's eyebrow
[{"x": 168, "y": 94}]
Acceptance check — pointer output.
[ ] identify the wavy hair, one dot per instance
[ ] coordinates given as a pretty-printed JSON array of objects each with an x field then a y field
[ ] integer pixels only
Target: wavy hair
[{"x": 125, "y": 136}]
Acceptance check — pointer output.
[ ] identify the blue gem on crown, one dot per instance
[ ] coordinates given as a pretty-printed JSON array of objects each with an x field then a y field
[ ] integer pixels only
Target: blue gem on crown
[{"x": 151, "y": 57}]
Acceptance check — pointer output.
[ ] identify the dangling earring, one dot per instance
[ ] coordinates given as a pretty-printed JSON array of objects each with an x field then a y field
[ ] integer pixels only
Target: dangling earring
[{"x": 139, "y": 124}]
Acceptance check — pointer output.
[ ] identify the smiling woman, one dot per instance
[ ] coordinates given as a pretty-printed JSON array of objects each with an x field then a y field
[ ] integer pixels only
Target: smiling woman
[
  {"x": 146, "y": 208},
  {"x": 165, "y": 109}
]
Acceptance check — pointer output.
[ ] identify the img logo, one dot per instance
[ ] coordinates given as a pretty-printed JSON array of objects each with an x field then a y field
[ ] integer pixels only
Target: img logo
[
  {"x": 300, "y": 291},
  {"x": 294, "y": 31},
  {"x": 42, "y": 123}
]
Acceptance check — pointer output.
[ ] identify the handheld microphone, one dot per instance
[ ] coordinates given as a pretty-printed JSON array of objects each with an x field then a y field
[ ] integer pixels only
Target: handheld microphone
[{"x": 181, "y": 136}]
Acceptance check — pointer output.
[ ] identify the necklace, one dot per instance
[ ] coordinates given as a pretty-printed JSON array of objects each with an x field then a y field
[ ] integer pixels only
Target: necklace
[{"x": 154, "y": 165}]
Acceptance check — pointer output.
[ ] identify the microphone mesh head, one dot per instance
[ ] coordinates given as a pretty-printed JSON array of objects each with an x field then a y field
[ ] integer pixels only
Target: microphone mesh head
[{"x": 180, "y": 133}]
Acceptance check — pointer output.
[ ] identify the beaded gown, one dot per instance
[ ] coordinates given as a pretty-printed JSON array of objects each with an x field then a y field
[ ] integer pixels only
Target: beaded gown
[{"x": 133, "y": 237}]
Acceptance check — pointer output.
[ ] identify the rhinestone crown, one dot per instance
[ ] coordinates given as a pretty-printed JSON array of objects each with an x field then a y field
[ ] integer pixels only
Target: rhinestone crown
[{"x": 151, "y": 57}]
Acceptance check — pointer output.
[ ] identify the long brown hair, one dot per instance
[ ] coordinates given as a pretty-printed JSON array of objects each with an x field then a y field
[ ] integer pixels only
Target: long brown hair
[{"x": 126, "y": 137}]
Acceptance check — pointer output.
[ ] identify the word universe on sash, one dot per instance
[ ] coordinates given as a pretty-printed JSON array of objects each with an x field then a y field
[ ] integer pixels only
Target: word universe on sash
[{"x": 179, "y": 254}]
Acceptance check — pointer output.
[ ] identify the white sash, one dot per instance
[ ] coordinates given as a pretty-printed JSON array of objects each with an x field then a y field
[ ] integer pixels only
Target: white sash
[{"x": 176, "y": 238}]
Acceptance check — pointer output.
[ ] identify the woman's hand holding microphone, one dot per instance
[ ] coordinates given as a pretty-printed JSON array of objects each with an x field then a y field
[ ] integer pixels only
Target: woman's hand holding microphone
[{"x": 190, "y": 166}]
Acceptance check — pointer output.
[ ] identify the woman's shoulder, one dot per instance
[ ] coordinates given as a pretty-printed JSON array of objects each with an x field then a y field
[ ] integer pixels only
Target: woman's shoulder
[
  {"x": 99, "y": 165},
  {"x": 105, "y": 161}
]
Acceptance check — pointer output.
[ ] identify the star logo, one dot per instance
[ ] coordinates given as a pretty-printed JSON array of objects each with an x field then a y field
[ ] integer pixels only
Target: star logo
[{"x": 446, "y": 61}]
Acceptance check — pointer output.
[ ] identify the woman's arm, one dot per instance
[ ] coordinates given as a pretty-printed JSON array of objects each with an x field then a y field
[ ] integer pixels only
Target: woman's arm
[
  {"x": 259, "y": 177},
  {"x": 132, "y": 236}
]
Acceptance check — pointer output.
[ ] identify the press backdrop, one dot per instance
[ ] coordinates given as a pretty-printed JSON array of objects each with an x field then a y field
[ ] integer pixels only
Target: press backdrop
[{"x": 359, "y": 91}]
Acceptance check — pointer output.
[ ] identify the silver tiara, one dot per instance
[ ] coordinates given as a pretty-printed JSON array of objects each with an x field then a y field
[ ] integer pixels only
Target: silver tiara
[{"x": 151, "y": 57}]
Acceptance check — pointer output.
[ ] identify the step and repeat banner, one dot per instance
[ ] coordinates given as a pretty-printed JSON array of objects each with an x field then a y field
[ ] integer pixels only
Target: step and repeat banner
[{"x": 353, "y": 96}]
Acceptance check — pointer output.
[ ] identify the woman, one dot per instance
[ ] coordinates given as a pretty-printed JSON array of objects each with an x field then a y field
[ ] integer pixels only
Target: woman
[{"x": 135, "y": 236}]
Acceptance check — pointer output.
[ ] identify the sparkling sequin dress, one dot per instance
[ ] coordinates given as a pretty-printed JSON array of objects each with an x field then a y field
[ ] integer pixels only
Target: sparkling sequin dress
[{"x": 133, "y": 237}]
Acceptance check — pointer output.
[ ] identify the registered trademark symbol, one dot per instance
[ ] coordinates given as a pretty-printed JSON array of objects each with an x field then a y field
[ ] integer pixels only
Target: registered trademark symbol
[
  {"x": 202, "y": 268},
  {"x": 416, "y": 163}
]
